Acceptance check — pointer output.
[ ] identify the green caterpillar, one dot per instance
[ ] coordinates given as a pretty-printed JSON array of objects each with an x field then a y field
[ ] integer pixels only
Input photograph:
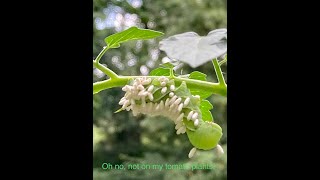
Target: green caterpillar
[{"x": 161, "y": 97}]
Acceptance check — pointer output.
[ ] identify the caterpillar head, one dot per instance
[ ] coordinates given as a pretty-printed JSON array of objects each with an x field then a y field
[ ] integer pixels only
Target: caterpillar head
[
  {"x": 159, "y": 96},
  {"x": 206, "y": 136}
]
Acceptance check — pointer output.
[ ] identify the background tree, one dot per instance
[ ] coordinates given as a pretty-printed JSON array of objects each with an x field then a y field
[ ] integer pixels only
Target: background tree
[{"x": 121, "y": 138}]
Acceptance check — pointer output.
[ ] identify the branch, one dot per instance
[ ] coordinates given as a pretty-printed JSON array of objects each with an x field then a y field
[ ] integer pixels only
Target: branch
[
  {"x": 219, "y": 72},
  {"x": 101, "y": 54},
  {"x": 216, "y": 88},
  {"x": 105, "y": 70}
]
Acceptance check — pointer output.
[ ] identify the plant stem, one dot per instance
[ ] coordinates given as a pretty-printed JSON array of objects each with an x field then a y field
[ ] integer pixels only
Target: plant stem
[
  {"x": 219, "y": 72},
  {"x": 215, "y": 88},
  {"x": 120, "y": 81},
  {"x": 223, "y": 61},
  {"x": 110, "y": 83},
  {"x": 101, "y": 54},
  {"x": 171, "y": 73},
  {"x": 105, "y": 70}
]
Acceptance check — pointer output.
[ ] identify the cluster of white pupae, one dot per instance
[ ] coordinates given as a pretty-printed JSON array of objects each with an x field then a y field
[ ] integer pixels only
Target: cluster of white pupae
[{"x": 171, "y": 107}]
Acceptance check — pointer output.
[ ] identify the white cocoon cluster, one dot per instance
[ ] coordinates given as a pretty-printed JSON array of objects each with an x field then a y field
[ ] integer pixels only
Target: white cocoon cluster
[{"x": 172, "y": 107}]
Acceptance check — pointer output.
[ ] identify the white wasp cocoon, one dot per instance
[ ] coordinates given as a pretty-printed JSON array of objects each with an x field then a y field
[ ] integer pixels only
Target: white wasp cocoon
[
  {"x": 164, "y": 90},
  {"x": 161, "y": 104},
  {"x": 157, "y": 107},
  {"x": 125, "y": 104},
  {"x": 194, "y": 116},
  {"x": 140, "y": 87},
  {"x": 161, "y": 78},
  {"x": 135, "y": 84},
  {"x": 127, "y": 95},
  {"x": 150, "y": 96},
  {"x": 196, "y": 122},
  {"x": 180, "y": 107},
  {"x": 163, "y": 83},
  {"x": 181, "y": 130},
  {"x": 179, "y": 118},
  {"x": 166, "y": 104},
  {"x": 190, "y": 115},
  {"x": 150, "y": 88},
  {"x": 186, "y": 102},
  {"x": 184, "y": 130},
  {"x": 122, "y": 101},
  {"x": 177, "y": 101},
  {"x": 172, "y": 88},
  {"x": 173, "y": 99},
  {"x": 125, "y": 88},
  {"x": 192, "y": 152},
  {"x": 178, "y": 125},
  {"x": 172, "y": 106},
  {"x": 142, "y": 93},
  {"x": 147, "y": 81},
  {"x": 171, "y": 94}
]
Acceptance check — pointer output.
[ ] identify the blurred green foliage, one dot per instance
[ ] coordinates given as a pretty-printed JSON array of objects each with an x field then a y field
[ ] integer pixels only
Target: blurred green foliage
[{"x": 123, "y": 139}]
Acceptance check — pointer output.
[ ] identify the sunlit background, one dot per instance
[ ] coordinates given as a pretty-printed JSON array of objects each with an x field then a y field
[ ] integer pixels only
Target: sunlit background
[{"x": 123, "y": 139}]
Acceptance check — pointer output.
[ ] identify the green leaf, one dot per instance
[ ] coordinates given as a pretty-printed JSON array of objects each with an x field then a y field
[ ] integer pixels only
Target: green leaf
[
  {"x": 205, "y": 104},
  {"x": 198, "y": 75},
  {"x": 193, "y": 49},
  {"x": 206, "y": 115},
  {"x": 132, "y": 33},
  {"x": 164, "y": 70},
  {"x": 160, "y": 72},
  {"x": 167, "y": 65},
  {"x": 205, "y": 107}
]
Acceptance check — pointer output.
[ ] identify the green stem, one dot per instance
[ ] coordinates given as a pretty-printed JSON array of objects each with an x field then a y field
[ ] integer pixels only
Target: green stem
[
  {"x": 223, "y": 61},
  {"x": 215, "y": 88},
  {"x": 101, "y": 54},
  {"x": 105, "y": 70},
  {"x": 219, "y": 72},
  {"x": 171, "y": 73},
  {"x": 110, "y": 83},
  {"x": 120, "y": 81}
]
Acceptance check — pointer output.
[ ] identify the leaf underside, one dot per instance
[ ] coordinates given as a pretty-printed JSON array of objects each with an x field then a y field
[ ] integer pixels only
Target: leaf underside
[
  {"x": 132, "y": 33},
  {"x": 193, "y": 49}
]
